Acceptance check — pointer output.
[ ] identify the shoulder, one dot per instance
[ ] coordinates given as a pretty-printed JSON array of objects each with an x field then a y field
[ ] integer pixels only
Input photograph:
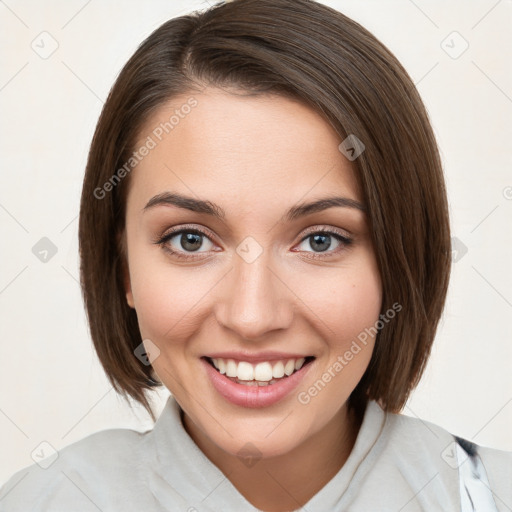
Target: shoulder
[
  {"x": 76, "y": 475},
  {"x": 458, "y": 460},
  {"x": 414, "y": 431}
]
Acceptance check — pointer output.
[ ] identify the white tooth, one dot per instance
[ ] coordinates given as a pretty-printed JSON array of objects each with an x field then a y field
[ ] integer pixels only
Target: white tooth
[
  {"x": 216, "y": 363},
  {"x": 248, "y": 383},
  {"x": 222, "y": 365},
  {"x": 278, "y": 370},
  {"x": 231, "y": 368},
  {"x": 263, "y": 372},
  {"x": 262, "y": 383},
  {"x": 245, "y": 371},
  {"x": 299, "y": 363},
  {"x": 289, "y": 367}
]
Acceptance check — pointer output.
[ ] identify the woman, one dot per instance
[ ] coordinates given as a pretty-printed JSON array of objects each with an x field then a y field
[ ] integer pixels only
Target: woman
[{"x": 264, "y": 230}]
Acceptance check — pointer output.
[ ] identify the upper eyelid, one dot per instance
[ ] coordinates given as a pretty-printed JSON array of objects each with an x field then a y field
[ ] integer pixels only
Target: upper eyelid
[
  {"x": 205, "y": 231},
  {"x": 324, "y": 228},
  {"x": 176, "y": 231}
]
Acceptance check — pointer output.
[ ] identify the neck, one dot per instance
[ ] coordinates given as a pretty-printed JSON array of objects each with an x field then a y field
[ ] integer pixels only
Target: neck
[{"x": 290, "y": 480}]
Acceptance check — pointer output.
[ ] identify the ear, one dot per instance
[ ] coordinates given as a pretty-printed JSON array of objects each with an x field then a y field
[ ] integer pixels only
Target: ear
[
  {"x": 127, "y": 285},
  {"x": 123, "y": 253}
]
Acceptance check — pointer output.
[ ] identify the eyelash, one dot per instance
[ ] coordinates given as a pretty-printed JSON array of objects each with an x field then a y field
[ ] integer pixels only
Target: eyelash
[{"x": 162, "y": 241}]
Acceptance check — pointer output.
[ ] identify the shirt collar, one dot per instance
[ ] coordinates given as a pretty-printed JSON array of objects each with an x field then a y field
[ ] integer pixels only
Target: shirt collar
[{"x": 181, "y": 471}]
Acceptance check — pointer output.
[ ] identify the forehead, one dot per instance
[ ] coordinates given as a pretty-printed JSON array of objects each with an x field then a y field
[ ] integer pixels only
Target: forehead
[{"x": 228, "y": 146}]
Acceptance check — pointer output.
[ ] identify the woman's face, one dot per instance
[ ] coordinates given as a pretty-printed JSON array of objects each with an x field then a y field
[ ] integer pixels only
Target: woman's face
[{"x": 236, "y": 276}]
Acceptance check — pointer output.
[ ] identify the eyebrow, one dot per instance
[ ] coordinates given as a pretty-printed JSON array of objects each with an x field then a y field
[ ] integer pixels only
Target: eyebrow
[{"x": 209, "y": 208}]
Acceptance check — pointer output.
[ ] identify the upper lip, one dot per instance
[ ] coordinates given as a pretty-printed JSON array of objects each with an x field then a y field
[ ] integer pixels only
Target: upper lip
[{"x": 256, "y": 357}]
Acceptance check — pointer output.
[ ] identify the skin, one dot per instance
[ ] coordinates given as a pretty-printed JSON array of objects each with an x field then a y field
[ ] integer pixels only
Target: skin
[{"x": 255, "y": 156}]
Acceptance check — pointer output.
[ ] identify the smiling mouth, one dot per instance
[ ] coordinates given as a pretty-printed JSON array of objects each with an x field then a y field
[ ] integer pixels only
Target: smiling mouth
[{"x": 261, "y": 374}]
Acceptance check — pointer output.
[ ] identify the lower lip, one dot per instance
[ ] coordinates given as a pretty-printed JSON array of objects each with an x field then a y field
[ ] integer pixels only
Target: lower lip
[{"x": 254, "y": 396}]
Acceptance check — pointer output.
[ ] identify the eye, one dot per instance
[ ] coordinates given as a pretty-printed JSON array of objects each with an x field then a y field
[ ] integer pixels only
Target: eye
[
  {"x": 181, "y": 242},
  {"x": 322, "y": 242},
  {"x": 185, "y": 243}
]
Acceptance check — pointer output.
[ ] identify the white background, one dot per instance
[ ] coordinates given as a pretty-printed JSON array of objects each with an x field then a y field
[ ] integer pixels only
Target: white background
[{"x": 52, "y": 386}]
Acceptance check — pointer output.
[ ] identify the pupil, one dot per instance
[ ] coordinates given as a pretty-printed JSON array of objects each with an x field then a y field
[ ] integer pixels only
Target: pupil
[
  {"x": 190, "y": 238},
  {"x": 320, "y": 242}
]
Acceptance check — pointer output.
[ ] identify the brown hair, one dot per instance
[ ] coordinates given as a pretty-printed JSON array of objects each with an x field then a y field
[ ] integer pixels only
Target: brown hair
[{"x": 310, "y": 52}]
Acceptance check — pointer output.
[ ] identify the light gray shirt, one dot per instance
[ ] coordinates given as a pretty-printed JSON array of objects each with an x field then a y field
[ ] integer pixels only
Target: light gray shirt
[{"x": 398, "y": 464}]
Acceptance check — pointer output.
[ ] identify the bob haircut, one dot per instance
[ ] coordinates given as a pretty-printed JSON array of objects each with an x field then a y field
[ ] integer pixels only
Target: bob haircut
[{"x": 307, "y": 51}]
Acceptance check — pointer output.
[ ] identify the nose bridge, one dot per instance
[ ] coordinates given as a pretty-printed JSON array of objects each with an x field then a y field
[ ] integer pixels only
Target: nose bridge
[{"x": 254, "y": 301}]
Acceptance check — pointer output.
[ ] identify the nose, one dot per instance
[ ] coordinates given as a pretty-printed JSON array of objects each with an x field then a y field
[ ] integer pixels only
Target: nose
[{"x": 255, "y": 300}]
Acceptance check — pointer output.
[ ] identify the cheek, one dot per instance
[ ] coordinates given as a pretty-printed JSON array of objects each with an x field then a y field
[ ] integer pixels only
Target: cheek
[
  {"x": 167, "y": 298},
  {"x": 349, "y": 308},
  {"x": 359, "y": 307},
  {"x": 171, "y": 301},
  {"x": 162, "y": 301},
  {"x": 345, "y": 302}
]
